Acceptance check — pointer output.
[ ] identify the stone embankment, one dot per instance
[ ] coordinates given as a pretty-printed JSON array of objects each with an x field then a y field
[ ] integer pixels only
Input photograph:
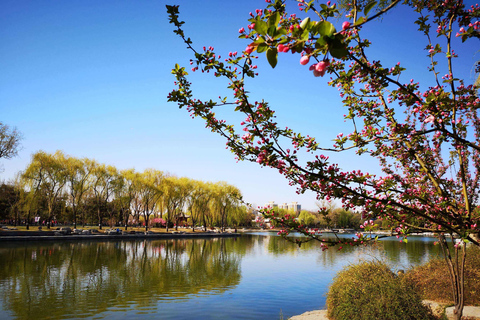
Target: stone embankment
[{"x": 469, "y": 312}]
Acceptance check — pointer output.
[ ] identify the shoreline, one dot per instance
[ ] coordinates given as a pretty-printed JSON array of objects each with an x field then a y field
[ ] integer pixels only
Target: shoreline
[
  {"x": 438, "y": 309},
  {"x": 50, "y": 236}
]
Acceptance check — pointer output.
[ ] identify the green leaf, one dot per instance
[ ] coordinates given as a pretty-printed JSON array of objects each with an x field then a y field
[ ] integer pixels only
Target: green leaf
[
  {"x": 280, "y": 32},
  {"x": 369, "y": 7},
  {"x": 321, "y": 42},
  {"x": 360, "y": 21},
  {"x": 405, "y": 240},
  {"x": 338, "y": 49},
  {"x": 259, "y": 40},
  {"x": 298, "y": 47},
  {"x": 274, "y": 19},
  {"x": 262, "y": 47},
  {"x": 325, "y": 28},
  {"x": 305, "y": 22},
  {"x": 272, "y": 31},
  {"x": 261, "y": 27},
  {"x": 272, "y": 56}
]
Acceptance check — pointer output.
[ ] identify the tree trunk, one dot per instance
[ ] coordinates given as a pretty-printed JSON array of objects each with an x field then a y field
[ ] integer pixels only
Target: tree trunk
[
  {"x": 193, "y": 223},
  {"x": 74, "y": 215},
  {"x": 83, "y": 217},
  {"x": 28, "y": 220},
  {"x": 99, "y": 219},
  {"x": 456, "y": 268},
  {"x": 15, "y": 217},
  {"x": 126, "y": 219}
]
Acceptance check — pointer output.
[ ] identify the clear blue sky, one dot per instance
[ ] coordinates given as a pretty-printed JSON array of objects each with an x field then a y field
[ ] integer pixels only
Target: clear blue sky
[{"x": 91, "y": 78}]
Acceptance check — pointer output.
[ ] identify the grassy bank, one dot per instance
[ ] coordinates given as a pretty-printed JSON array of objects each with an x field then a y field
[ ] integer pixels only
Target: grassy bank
[{"x": 432, "y": 279}]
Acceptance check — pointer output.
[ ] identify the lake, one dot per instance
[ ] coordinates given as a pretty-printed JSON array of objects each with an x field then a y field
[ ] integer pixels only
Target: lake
[{"x": 255, "y": 276}]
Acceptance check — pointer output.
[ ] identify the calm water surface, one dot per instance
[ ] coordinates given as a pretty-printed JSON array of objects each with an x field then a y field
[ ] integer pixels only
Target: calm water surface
[{"x": 257, "y": 276}]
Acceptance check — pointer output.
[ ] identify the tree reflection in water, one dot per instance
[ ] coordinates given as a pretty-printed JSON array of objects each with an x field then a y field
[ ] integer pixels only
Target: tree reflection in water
[
  {"x": 81, "y": 279},
  {"x": 417, "y": 251},
  {"x": 180, "y": 279}
]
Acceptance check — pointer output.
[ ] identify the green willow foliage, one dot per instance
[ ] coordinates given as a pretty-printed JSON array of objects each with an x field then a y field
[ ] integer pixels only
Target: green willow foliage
[{"x": 67, "y": 189}]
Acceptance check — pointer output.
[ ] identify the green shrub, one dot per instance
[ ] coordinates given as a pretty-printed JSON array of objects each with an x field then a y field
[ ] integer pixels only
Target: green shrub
[
  {"x": 432, "y": 279},
  {"x": 370, "y": 290}
]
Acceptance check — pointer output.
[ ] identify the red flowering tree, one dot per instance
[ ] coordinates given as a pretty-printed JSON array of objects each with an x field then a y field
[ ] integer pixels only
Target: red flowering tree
[{"x": 426, "y": 137}]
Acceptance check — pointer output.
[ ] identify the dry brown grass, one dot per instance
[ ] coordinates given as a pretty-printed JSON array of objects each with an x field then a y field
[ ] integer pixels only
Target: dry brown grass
[{"x": 433, "y": 281}]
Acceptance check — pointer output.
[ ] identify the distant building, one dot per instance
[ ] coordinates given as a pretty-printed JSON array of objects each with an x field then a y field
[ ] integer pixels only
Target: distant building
[
  {"x": 283, "y": 206},
  {"x": 295, "y": 207},
  {"x": 271, "y": 205}
]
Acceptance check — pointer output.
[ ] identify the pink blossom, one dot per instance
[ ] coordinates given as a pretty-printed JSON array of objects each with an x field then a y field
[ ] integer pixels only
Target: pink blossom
[
  {"x": 249, "y": 49},
  {"x": 345, "y": 25},
  {"x": 430, "y": 118},
  {"x": 322, "y": 66},
  {"x": 241, "y": 30},
  {"x": 282, "y": 48},
  {"x": 304, "y": 60}
]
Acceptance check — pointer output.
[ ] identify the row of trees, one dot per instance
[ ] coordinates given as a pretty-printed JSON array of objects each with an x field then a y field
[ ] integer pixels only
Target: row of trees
[
  {"x": 329, "y": 217},
  {"x": 60, "y": 187}
]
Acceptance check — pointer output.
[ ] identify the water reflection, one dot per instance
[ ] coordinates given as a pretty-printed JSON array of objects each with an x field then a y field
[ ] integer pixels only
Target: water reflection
[
  {"x": 418, "y": 250},
  {"x": 82, "y": 279},
  {"x": 252, "y": 277}
]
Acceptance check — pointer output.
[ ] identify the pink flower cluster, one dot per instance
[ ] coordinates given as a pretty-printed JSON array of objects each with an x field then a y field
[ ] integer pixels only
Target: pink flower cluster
[
  {"x": 282, "y": 48},
  {"x": 262, "y": 156},
  {"x": 320, "y": 68}
]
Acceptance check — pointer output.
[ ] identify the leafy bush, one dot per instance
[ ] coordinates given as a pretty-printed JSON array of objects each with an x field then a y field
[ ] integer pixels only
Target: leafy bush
[
  {"x": 370, "y": 290},
  {"x": 432, "y": 279}
]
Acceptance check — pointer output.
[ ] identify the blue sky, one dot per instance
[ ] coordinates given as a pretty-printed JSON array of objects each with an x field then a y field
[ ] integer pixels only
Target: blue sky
[{"x": 91, "y": 78}]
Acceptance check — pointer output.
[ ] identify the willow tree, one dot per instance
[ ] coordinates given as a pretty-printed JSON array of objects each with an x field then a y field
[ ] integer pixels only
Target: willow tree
[
  {"x": 126, "y": 194},
  {"x": 198, "y": 202},
  {"x": 225, "y": 200},
  {"x": 104, "y": 180},
  {"x": 150, "y": 189},
  {"x": 185, "y": 190},
  {"x": 46, "y": 177},
  {"x": 13, "y": 200},
  {"x": 175, "y": 192},
  {"x": 78, "y": 172}
]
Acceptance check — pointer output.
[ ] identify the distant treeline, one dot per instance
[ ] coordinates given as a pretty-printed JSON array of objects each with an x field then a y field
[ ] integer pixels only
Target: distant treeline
[
  {"x": 60, "y": 188},
  {"x": 330, "y": 217}
]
